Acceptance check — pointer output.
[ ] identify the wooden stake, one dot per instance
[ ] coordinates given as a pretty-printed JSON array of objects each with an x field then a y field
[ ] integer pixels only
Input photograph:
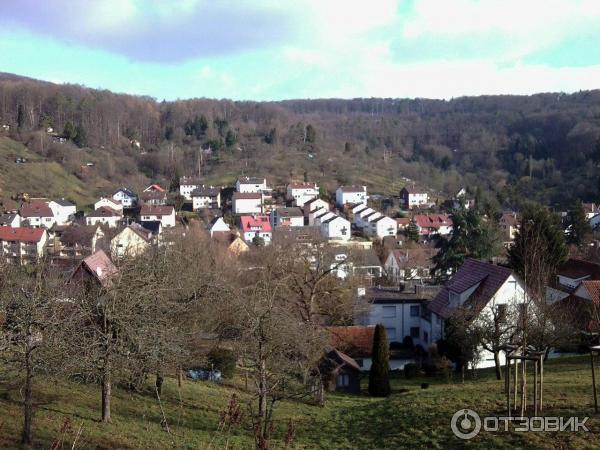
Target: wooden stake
[
  {"x": 535, "y": 388},
  {"x": 541, "y": 383},
  {"x": 507, "y": 385},
  {"x": 594, "y": 381}
]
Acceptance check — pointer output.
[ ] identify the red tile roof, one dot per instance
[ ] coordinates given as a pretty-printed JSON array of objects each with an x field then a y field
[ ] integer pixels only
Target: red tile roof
[
  {"x": 36, "y": 209},
  {"x": 356, "y": 341},
  {"x": 150, "y": 210},
  {"x": 256, "y": 223},
  {"x": 510, "y": 219},
  {"x": 21, "y": 234},
  {"x": 593, "y": 288},
  {"x": 433, "y": 221},
  {"x": 489, "y": 276},
  {"x": 104, "y": 211},
  {"x": 100, "y": 266},
  {"x": 297, "y": 185}
]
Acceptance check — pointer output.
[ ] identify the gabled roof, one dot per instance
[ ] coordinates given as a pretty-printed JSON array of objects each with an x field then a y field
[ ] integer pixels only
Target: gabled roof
[
  {"x": 289, "y": 212},
  {"x": 151, "y": 210},
  {"x": 356, "y": 341},
  {"x": 510, "y": 218},
  {"x": 154, "y": 187},
  {"x": 306, "y": 185},
  {"x": 413, "y": 190},
  {"x": 36, "y": 209},
  {"x": 127, "y": 192},
  {"x": 141, "y": 231},
  {"x": 104, "y": 211},
  {"x": 353, "y": 189},
  {"x": 21, "y": 234},
  {"x": 578, "y": 268},
  {"x": 593, "y": 289},
  {"x": 313, "y": 200},
  {"x": 414, "y": 257},
  {"x": 246, "y": 196},
  {"x": 190, "y": 181},
  {"x": 99, "y": 266},
  {"x": 490, "y": 278},
  {"x": 260, "y": 222},
  {"x": 251, "y": 180},
  {"x": 433, "y": 220},
  {"x": 63, "y": 202},
  {"x": 341, "y": 359},
  {"x": 5, "y": 219},
  {"x": 78, "y": 235},
  {"x": 206, "y": 192},
  {"x": 153, "y": 195},
  {"x": 332, "y": 219}
]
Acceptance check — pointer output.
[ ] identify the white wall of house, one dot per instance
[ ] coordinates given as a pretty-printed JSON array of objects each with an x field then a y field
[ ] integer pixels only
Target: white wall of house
[
  {"x": 386, "y": 226},
  {"x": 247, "y": 206},
  {"x": 62, "y": 214},
  {"x": 204, "y": 202},
  {"x": 290, "y": 221},
  {"x": 127, "y": 200},
  {"x": 250, "y": 235},
  {"x": 346, "y": 198},
  {"x": 166, "y": 220},
  {"x": 219, "y": 225},
  {"x": 109, "y": 203},
  {"x": 401, "y": 319},
  {"x": 302, "y": 195},
  {"x": 38, "y": 222},
  {"x": 15, "y": 222},
  {"x": 110, "y": 221},
  {"x": 128, "y": 243},
  {"x": 251, "y": 187},
  {"x": 186, "y": 190},
  {"x": 24, "y": 251},
  {"x": 336, "y": 229}
]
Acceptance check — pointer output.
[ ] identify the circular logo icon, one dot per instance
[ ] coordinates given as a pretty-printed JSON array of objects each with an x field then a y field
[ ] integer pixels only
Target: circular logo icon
[{"x": 465, "y": 424}]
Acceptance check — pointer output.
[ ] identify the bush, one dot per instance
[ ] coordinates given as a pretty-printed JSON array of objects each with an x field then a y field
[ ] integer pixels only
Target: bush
[
  {"x": 410, "y": 370},
  {"x": 223, "y": 360}
]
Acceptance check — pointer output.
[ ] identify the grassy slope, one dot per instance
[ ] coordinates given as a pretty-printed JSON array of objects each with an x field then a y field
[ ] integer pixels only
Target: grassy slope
[
  {"x": 412, "y": 419},
  {"x": 38, "y": 177}
]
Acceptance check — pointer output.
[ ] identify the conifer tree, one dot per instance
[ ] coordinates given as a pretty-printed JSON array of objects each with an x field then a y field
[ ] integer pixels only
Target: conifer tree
[{"x": 379, "y": 376}]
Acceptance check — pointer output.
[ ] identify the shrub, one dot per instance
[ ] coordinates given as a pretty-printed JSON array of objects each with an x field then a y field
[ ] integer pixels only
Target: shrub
[
  {"x": 223, "y": 360},
  {"x": 410, "y": 370}
]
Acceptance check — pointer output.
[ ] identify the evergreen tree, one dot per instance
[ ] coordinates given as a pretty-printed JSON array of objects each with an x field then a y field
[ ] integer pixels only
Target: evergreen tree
[
  {"x": 578, "y": 227},
  {"x": 379, "y": 376},
  {"x": 20, "y": 117},
  {"x": 80, "y": 138},
  {"x": 230, "y": 138},
  {"x": 412, "y": 231},
  {"x": 69, "y": 131},
  {"x": 311, "y": 134}
]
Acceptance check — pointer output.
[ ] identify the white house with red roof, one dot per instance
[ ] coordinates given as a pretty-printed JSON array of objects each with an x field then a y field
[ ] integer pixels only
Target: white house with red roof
[
  {"x": 434, "y": 224},
  {"x": 349, "y": 195},
  {"x": 22, "y": 245},
  {"x": 481, "y": 290},
  {"x": 37, "y": 214},
  {"x": 163, "y": 214},
  {"x": 300, "y": 193},
  {"x": 256, "y": 226},
  {"x": 247, "y": 203}
]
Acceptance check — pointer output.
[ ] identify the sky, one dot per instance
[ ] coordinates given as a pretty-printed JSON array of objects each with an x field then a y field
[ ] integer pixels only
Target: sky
[{"x": 284, "y": 49}]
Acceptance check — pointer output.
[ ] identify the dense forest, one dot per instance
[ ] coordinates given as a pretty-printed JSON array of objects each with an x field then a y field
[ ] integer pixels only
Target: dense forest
[{"x": 544, "y": 147}]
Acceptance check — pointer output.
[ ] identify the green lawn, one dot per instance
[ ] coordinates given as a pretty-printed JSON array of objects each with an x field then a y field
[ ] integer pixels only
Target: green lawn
[{"x": 411, "y": 418}]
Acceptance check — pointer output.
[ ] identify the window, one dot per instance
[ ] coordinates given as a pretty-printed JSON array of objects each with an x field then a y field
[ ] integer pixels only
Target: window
[
  {"x": 391, "y": 334},
  {"x": 343, "y": 380},
  {"x": 388, "y": 312},
  {"x": 414, "y": 311},
  {"x": 415, "y": 332}
]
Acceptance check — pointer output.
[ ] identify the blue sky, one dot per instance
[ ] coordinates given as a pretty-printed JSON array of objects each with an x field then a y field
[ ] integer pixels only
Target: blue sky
[{"x": 281, "y": 49}]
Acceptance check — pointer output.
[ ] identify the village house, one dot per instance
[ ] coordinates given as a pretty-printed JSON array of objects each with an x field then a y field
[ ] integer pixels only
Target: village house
[
  {"x": 409, "y": 264},
  {"x": 411, "y": 197},
  {"x": 287, "y": 217},
  {"x": 321, "y": 216},
  {"x": 339, "y": 372},
  {"x": 22, "y": 245},
  {"x": 573, "y": 271},
  {"x": 218, "y": 225},
  {"x": 110, "y": 203},
  {"x": 231, "y": 241},
  {"x": 187, "y": 185},
  {"x": 430, "y": 225},
  {"x": 591, "y": 209},
  {"x": 12, "y": 220},
  {"x": 364, "y": 216},
  {"x": 104, "y": 216},
  {"x": 163, "y": 214},
  {"x": 402, "y": 223},
  {"x": 37, "y": 214},
  {"x": 96, "y": 268},
  {"x": 256, "y": 226},
  {"x": 132, "y": 241},
  {"x": 206, "y": 198},
  {"x": 349, "y": 195},
  {"x": 300, "y": 193},
  {"x": 362, "y": 262},
  {"x": 336, "y": 228},
  {"x": 509, "y": 224},
  {"x": 155, "y": 188},
  {"x": 63, "y": 211},
  {"x": 252, "y": 185},
  {"x": 313, "y": 205},
  {"x": 485, "y": 290},
  {"x": 381, "y": 227},
  {"x": 154, "y": 198},
  {"x": 126, "y": 197},
  {"x": 247, "y": 202},
  {"x": 78, "y": 241},
  {"x": 403, "y": 313}
]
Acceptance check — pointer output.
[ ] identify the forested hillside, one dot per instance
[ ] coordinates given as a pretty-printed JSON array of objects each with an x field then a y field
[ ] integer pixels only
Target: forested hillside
[{"x": 544, "y": 147}]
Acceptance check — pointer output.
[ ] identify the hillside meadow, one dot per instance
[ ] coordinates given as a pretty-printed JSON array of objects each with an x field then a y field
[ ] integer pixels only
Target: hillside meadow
[{"x": 67, "y": 415}]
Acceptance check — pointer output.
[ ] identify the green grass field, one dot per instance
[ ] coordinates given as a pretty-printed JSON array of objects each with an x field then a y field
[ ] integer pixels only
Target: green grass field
[
  {"x": 39, "y": 177},
  {"x": 411, "y": 418}
]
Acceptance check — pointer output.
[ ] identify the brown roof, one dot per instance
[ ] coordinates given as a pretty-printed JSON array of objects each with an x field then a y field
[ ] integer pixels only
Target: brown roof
[
  {"x": 356, "y": 341},
  {"x": 21, "y": 234},
  {"x": 251, "y": 180},
  {"x": 289, "y": 212},
  {"x": 246, "y": 196},
  {"x": 100, "y": 266},
  {"x": 593, "y": 288},
  {"x": 298, "y": 185},
  {"x": 104, "y": 211},
  {"x": 414, "y": 257},
  {"x": 510, "y": 219},
  {"x": 342, "y": 359},
  {"x": 150, "y": 210},
  {"x": 36, "y": 209},
  {"x": 578, "y": 268},
  {"x": 489, "y": 276},
  {"x": 80, "y": 235},
  {"x": 353, "y": 188},
  {"x": 9, "y": 204},
  {"x": 153, "y": 195},
  {"x": 413, "y": 190}
]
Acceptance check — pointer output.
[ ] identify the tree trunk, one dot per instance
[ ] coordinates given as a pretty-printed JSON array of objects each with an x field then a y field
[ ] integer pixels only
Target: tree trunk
[
  {"x": 497, "y": 364},
  {"x": 159, "y": 382},
  {"x": 27, "y": 437},
  {"x": 106, "y": 387},
  {"x": 179, "y": 377}
]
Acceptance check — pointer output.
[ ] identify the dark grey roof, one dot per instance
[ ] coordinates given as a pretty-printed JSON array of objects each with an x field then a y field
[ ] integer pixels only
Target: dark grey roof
[
  {"x": 289, "y": 212},
  {"x": 126, "y": 191},
  {"x": 382, "y": 295},
  {"x": 63, "y": 202},
  {"x": 152, "y": 225},
  {"x": 206, "y": 192}
]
